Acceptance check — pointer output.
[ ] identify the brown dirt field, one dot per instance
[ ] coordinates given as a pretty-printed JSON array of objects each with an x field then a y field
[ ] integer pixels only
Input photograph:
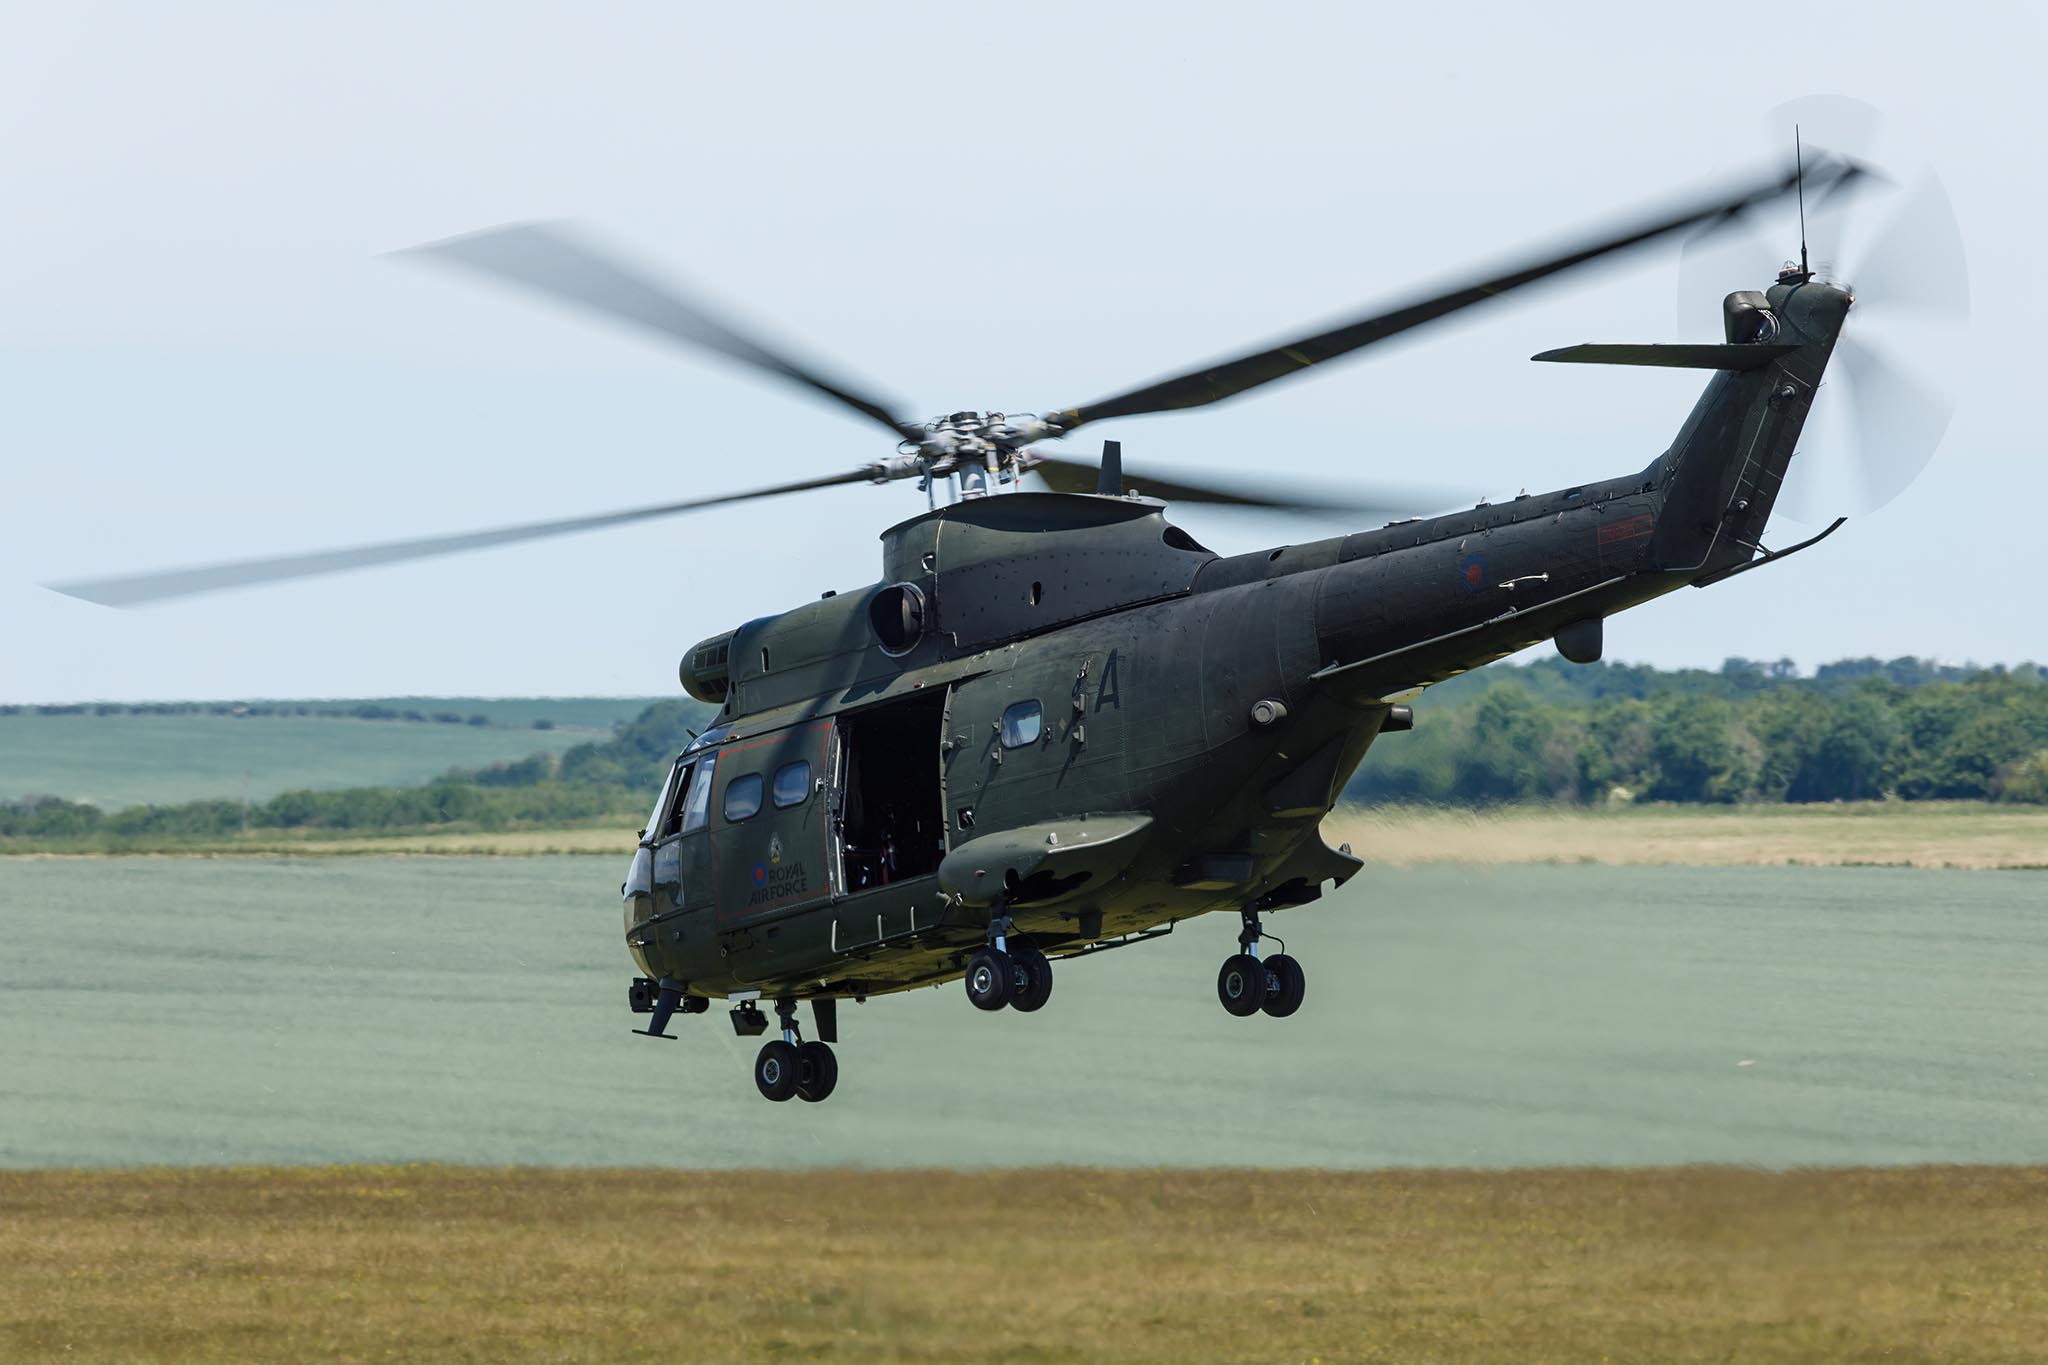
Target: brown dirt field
[{"x": 425, "y": 1263}]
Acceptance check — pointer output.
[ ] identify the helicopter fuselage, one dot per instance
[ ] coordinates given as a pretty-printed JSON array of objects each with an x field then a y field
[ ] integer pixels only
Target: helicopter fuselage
[{"x": 1060, "y": 715}]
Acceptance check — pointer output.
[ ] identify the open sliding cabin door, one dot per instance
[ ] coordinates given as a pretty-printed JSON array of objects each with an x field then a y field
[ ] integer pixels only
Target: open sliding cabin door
[{"x": 889, "y": 813}]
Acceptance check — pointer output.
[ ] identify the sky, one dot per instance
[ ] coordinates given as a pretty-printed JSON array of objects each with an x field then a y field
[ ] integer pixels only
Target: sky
[{"x": 206, "y": 351}]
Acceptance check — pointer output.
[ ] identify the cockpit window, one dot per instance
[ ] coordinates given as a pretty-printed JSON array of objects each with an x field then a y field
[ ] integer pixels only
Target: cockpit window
[
  {"x": 742, "y": 797},
  {"x": 697, "y": 805},
  {"x": 1022, "y": 723},
  {"x": 792, "y": 784},
  {"x": 716, "y": 735},
  {"x": 668, "y": 807}
]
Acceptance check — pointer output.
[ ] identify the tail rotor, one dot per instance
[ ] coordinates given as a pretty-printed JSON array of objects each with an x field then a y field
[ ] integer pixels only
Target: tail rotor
[{"x": 1899, "y": 251}]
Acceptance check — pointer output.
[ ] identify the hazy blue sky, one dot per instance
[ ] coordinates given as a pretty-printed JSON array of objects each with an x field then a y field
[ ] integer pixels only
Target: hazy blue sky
[{"x": 203, "y": 356}]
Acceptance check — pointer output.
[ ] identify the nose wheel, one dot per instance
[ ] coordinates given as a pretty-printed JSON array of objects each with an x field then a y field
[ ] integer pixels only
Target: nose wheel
[
  {"x": 1249, "y": 983},
  {"x": 789, "y": 1068}
]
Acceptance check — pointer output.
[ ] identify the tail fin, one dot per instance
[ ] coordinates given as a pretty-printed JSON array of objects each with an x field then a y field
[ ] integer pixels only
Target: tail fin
[{"x": 1720, "y": 479}]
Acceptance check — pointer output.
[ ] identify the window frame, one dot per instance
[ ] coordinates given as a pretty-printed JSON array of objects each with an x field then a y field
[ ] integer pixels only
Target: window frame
[
  {"x": 666, "y": 804},
  {"x": 1036, "y": 715},
  {"x": 803, "y": 792},
  {"x": 740, "y": 782},
  {"x": 696, "y": 813}
]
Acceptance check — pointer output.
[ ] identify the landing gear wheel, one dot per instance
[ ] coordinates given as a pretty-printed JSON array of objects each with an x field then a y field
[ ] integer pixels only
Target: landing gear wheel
[
  {"x": 776, "y": 1070},
  {"x": 991, "y": 976},
  {"x": 1241, "y": 985},
  {"x": 1285, "y": 986},
  {"x": 817, "y": 1072},
  {"x": 1032, "y": 978}
]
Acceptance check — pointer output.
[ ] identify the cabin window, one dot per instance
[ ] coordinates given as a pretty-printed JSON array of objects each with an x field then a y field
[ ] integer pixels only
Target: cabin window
[
  {"x": 1022, "y": 723},
  {"x": 697, "y": 805},
  {"x": 742, "y": 797},
  {"x": 792, "y": 784}
]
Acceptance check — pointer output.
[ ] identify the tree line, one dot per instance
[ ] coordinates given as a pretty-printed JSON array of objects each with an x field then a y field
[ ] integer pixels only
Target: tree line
[
  {"x": 1752, "y": 732},
  {"x": 612, "y": 778}
]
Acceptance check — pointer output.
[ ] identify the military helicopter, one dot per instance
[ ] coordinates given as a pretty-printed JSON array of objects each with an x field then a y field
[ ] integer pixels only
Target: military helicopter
[{"x": 1057, "y": 725}]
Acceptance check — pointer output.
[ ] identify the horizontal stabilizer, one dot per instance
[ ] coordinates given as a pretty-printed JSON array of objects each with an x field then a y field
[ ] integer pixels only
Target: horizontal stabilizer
[{"x": 1752, "y": 355}]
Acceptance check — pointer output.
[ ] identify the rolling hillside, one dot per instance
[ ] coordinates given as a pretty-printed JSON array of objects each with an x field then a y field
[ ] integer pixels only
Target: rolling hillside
[{"x": 134, "y": 758}]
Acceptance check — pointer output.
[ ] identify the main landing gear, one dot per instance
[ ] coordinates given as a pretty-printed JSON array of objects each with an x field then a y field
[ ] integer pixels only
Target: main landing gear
[
  {"x": 1249, "y": 983},
  {"x": 788, "y": 1066},
  {"x": 1006, "y": 973}
]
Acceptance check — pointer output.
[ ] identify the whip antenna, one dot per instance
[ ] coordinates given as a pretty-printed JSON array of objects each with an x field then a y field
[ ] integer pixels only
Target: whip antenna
[{"x": 1799, "y": 176}]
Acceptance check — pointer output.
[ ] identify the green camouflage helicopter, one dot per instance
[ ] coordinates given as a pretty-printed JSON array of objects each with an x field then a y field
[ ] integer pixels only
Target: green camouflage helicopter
[{"x": 1058, "y": 725}]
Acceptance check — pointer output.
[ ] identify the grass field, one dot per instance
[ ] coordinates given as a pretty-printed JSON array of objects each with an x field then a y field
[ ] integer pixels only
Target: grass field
[
  {"x": 437, "y": 1263},
  {"x": 614, "y": 836},
  {"x": 1958, "y": 834},
  {"x": 119, "y": 761}
]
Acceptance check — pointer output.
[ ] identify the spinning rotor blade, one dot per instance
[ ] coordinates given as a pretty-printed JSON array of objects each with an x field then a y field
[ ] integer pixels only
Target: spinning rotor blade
[
  {"x": 136, "y": 589},
  {"x": 1079, "y": 476},
  {"x": 1899, "y": 423},
  {"x": 1918, "y": 262},
  {"x": 549, "y": 261},
  {"x": 1227, "y": 379},
  {"x": 1883, "y": 408}
]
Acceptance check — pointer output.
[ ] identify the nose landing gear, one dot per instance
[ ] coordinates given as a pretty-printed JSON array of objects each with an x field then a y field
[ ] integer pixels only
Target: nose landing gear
[
  {"x": 1248, "y": 984},
  {"x": 788, "y": 1067}
]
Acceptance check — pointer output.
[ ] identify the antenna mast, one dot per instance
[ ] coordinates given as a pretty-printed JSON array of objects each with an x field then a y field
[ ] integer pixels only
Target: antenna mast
[{"x": 1799, "y": 176}]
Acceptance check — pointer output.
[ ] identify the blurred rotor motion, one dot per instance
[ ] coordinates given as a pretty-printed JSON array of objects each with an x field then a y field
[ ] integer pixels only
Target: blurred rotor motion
[
  {"x": 979, "y": 452},
  {"x": 1899, "y": 252}
]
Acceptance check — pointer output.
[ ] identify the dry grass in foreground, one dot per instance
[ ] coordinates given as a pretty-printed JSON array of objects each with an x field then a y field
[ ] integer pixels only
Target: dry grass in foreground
[
  {"x": 427, "y": 1263},
  {"x": 1963, "y": 834}
]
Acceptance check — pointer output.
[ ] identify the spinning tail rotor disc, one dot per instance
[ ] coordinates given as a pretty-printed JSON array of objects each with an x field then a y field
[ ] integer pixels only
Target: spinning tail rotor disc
[{"x": 1889, "y": 393}]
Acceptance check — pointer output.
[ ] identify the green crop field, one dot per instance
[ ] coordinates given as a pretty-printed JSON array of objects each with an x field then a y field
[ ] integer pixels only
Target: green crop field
[
  {"x": 126, "y": 760},
  {"x": 573, "y": 713}
]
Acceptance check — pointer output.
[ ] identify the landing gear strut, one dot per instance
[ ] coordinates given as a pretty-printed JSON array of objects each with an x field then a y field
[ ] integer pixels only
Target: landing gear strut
[
  {"x": 1006, "y": 973},
  {"x": 788, "y": 1066},
  {"x": 1248, "y": 983}
]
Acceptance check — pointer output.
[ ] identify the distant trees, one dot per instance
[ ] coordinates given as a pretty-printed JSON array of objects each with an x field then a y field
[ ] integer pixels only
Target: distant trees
[
  {"x": 1548, "y": 731},
  {"x": 1752, "y": 731},
  {"x": 614, "y": 777}
]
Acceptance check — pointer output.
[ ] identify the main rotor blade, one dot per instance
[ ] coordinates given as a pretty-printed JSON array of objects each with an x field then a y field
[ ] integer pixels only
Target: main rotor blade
[
  {"x": 1079, "y": 476},
  {"x": 549, "y": 261},
  {"x": 1227, "y": 379},
  {"x": 136, "y": 589}
]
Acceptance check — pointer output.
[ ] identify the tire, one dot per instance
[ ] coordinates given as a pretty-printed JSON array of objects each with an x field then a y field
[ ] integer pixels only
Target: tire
[
  {"x": 1285, "y": 985},
  {"x": 990, "y": 978},
  {"x": 1037, "y": 973},
  {"x": 776, "y": 1070},
  {"x": 1241, "y": 985},
  {"x": 817, "y": 1072}
]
